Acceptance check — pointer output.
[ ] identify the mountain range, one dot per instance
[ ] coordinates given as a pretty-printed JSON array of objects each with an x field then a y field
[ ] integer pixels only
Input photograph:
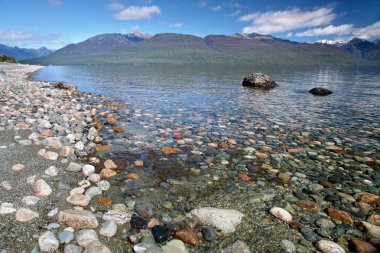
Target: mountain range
[
  {"x": 135, "y": 48},
  {"x": 358, "y": 47},
  {"x": 24, "y": 53}
]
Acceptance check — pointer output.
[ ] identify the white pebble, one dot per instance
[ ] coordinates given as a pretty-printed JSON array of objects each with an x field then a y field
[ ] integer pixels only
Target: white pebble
[
  {"x": 30, "y": 180},
  {"x": 281, "y": 213},
  {"x": 84, "y": 183},
  {"x": 41, "y": 188},
  {"x": 93, "y": 191},
  {"x": 30, "y": 200},
  {"x": 108, "y": 229},
  {"x": 104, "y": 185},
  {"x": 77, "y": 190},
  {"x": 6, "y": 185},
  {"x": 6, "y": 208},
  {"x": 88, "y": 170},
  {"x": 52, "y": 171},
  {"x": 79, "y": 145},
  {"x": 94, "y": 178},
  {"x": 18, "y": 167},
  {"x": 329, "y": 247},
  {"x": 24, "y": 215},
  {"x": 86, "y": 236},
  {"x": 53, "y": 212},
  {"x": 48, "y": 242}
]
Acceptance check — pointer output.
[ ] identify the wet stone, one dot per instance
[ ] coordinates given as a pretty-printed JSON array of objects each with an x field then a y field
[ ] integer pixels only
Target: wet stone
[
  {"x": 237, "y": 247},
  {"x": 65, "y": 236},
  {"x": 189, "y": 236},
  {"x": 209, "y": 234},
  {"x": 147, "y": 247},
  {"x": 287, "y": 246},
  {"x": 96, "y": 247},
  {"x": 72, "y": 248},
  {"x": 326, "y": 246},
  {"x": 160, "y": 234},
  {"x": 308, "y": 234},
  {"x": 138, "y": 222},
  {"x": 144, "y": 208},
  {"x": 108, "y": 229},
  {"x": 363, "y": 247}
]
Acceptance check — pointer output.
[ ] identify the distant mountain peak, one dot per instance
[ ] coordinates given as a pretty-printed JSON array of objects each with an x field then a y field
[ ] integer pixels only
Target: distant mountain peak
[
  {"x": 359, "y": 41},
  {"x": 139, "y": 35},
  {"x": 331, "y": 42},
  {"x": 24, "y": 53}
]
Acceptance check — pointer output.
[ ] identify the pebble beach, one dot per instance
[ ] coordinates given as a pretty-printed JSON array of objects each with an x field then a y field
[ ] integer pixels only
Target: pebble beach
[{"x": 74, "y": 179}]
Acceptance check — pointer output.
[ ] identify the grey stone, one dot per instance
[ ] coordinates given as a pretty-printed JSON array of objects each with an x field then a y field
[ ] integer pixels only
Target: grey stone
[
  {"x": 108, "y": 229},
  {"x": 237, "y": 247},
  {"x": 326, "y": 246},
  {"x": 287, "y": 246},
  {"x": 72, "y": 248},
  {"x": 7, "y": 208},
  {"x": 48, "y": 242},
  {"x": 259, "y": 80},
  {"x": 119, "y": 217},
  {"x": 96, "y": 247},
  {"x": 86, "y": 236},
  {"x": 78, "y": 218},
  {"x": 144, "y": 208},
  {"x": 24, "y": 215},
  {"x": 147, "y": 248},
  {"x": 65, "y": 236},
  {"x": 223, "y": 219},
  {"x": 74, "y": 167}
]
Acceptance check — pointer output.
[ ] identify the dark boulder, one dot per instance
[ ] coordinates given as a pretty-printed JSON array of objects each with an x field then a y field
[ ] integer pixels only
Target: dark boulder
[
  {"x": 258, "y": 80},
  {"x": 318, "y": 91},
  {"x": 64, "y": 86}
]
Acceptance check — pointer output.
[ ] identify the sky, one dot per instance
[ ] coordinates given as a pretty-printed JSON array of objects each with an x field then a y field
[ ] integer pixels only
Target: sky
[{"x": 56, "y": 23}]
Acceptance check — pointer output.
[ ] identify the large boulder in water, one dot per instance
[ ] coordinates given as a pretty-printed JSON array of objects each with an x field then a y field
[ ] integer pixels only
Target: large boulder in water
[
  {"x": 258, "y": 80},
  {"x": 318, "y": 91}
]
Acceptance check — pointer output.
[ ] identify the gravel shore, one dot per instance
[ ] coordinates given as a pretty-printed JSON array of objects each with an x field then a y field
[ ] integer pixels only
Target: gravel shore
[{"x": 61, "y": 192}]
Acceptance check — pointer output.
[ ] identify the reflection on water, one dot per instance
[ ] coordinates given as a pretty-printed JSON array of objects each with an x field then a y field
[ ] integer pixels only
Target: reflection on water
[{"x": 192, "y": 94}]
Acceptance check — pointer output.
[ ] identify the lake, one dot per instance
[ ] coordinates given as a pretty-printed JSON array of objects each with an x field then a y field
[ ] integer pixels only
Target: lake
[{"x": 201, "y": 91}]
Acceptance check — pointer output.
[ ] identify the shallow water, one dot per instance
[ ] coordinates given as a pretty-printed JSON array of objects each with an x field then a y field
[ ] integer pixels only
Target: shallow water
[{"x": 190, "y": 94}]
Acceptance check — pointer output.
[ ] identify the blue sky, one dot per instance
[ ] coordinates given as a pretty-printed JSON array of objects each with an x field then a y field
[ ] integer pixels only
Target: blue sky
[{"x": 56, "y": 23}]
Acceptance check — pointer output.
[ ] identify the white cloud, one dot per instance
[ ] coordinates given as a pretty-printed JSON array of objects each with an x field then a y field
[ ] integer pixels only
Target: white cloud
[
  {"x": 368, "y": 32},
  {"x": 216, "y": 8},
  {"x": 13, "y": 36},
  {"x": 55, "y": 2},
  {"x": 329, "y": 30},
  {"x": 16, "y": 38},
  {"x": 283, "y": 21},
  {"x": 137, "y": 12},
  {"x": 176, "y": 25}
]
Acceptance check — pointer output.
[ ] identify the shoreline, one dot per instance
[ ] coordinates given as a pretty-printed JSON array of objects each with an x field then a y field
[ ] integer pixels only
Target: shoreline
[{"x": 286, "y": 209}]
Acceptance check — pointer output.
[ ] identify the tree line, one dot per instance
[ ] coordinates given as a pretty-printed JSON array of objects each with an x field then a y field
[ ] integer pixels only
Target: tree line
[{"x": 5, "y": 58}]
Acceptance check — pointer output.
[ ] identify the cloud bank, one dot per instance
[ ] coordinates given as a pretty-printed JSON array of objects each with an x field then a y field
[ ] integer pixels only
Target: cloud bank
[
  {"x": 288, "y": 20},
  {"x": 317, "y": 22},
  {"x": 16, "y": 38},
  {"x": 134, "y": 12}
]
